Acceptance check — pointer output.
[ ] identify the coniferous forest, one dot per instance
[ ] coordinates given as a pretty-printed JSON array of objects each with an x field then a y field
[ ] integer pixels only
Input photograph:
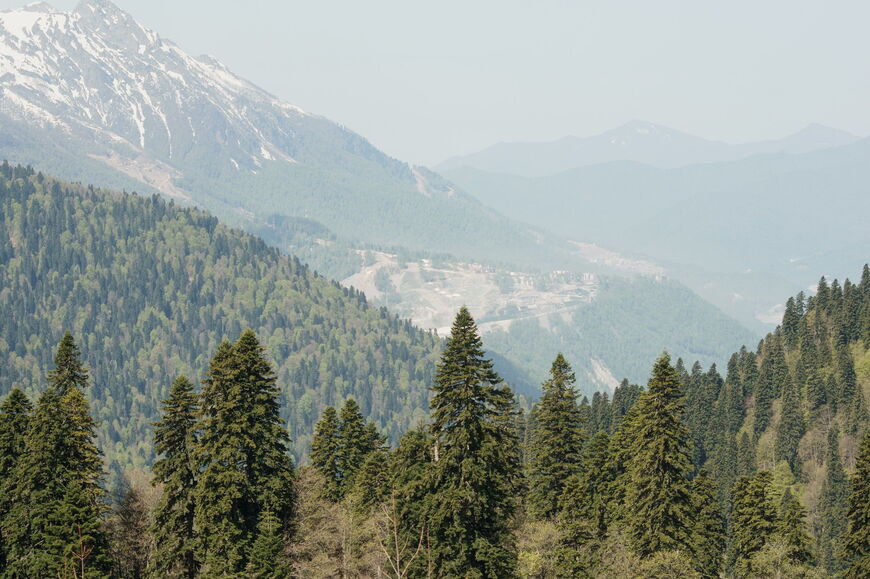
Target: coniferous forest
[{"x": 314, "y": 436}]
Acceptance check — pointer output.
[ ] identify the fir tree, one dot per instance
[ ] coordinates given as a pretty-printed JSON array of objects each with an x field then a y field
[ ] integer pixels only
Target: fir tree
[
  {"x": 557, "y": 440},
  {"x": 832, "y": 506},
  {"x": 54, "y": 524},
  {"x": 791, "y": 526},
  {"x": 409, "y": 480},
  {"x": 243, "y": 448},
  {"x": 773, "y": 377},
  {"x": 371, "y": 483},
  {"x": 14, "y": 421},
  {"x": 582, "y": 516},
  {"x": 69, "y": 371},
  {"x": 790, "y": 322},
  {"x": 175, "y": 443},
  {"x": 128, "y": 529},
  {"x": 846, "y": 379},
  {"x": 790, "y": 429},
  {"x": 856, "y": 540},
  {"x": 355, "y": 442},
  {"x": 658, "y": 486},
  {"x": 816, "y": 390},
  {"x": 857, "y": 417},
  {"x": 324, "y": 452},
  {"x": 471, "y": 501},
  {"x": 753, "y": 519},
  {"x": 708, "y": 532},
  {"x": 267, "y": 560},
  {"x": 620, "y": 449}
]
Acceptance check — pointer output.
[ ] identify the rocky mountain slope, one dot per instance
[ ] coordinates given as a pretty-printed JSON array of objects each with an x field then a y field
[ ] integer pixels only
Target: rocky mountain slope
[{"x": 91, "y": 95}]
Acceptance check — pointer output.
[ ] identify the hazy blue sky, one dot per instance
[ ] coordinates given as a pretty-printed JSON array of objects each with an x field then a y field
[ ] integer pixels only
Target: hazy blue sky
[{"x": 427, "y": 80}]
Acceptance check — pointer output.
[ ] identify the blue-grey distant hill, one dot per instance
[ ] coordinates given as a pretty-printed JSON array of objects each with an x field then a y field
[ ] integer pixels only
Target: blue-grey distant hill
[
  {"x": 638, "y": 141},
  {"x": 766, "y": 222}
]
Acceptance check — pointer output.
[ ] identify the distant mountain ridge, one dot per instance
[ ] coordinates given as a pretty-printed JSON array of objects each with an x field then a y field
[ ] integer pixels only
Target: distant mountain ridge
[
  {"x": 637, "y": 141},
  {"x": 93, "y": 96},
  {"x": 784, "y": 219}
]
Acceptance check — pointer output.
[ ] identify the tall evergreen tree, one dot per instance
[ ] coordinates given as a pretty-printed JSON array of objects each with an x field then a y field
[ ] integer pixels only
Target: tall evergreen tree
[
  {"x": 791, "y": 526},
  {"x": 753, "y": 519},
  {"x": 773, "y": 376},
  {"x": 832, "y": 506},
  {"x": 128, "y": 530},
  {"x": 658, "y": 486},
  {"x": 55, "y": 521},
  {"x": 856, "y": 540},
  {"x": 14, "y": 421},
  {"x": 847, "y": 382},
  {"x": 69, "y": 371},
  {"x": 410, "y": 466},
  {"x": 355, "y": 442},
  {"x": 557, "y": 440},
  {"x": 471, "y": 501},
  {"x": 246, "y": 468},
  {"x": 791, "y": 427},
  {"x": 371, "y": 485},
  {"x": 708, "y": 532},
  {"x": 324, "y": 452},
  {"x": 790, "y": 322},
  {"x": 267, "y": 560},
  {"x": 176, "y": 469},
  {"x": 583, "y": 509}
]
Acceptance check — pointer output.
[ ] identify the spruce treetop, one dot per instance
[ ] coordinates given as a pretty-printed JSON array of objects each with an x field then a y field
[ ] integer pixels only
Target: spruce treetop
[{"x": 69, "y": 371}]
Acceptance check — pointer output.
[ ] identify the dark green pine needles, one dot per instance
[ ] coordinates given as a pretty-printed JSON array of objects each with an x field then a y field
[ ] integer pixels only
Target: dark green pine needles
[
  {"x": 175, "y": 443},
  {"x": 856, "y": 541},
  {"x": 473, "y": 481},
  {"x": 243, "y": 452},
  {"x": 659, "y": 492},
  {"x": 557, "y": 441},
  {"x": 54, "y": 526}
]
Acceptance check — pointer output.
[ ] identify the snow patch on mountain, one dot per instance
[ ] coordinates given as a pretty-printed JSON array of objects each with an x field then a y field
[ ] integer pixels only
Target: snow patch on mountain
[{"x": 98, "y": 73}]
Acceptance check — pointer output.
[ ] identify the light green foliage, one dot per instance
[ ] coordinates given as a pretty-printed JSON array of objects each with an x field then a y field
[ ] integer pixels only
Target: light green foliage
[{"x": 151, "y": 289}]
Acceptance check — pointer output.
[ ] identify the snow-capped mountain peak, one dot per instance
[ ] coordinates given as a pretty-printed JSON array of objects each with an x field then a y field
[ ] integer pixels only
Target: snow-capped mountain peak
[{"x": 97, "y": 73}]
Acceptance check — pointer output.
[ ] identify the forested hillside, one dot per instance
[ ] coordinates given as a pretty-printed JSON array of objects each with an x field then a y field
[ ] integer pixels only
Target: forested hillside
[{"x": 150, "y": 289}]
